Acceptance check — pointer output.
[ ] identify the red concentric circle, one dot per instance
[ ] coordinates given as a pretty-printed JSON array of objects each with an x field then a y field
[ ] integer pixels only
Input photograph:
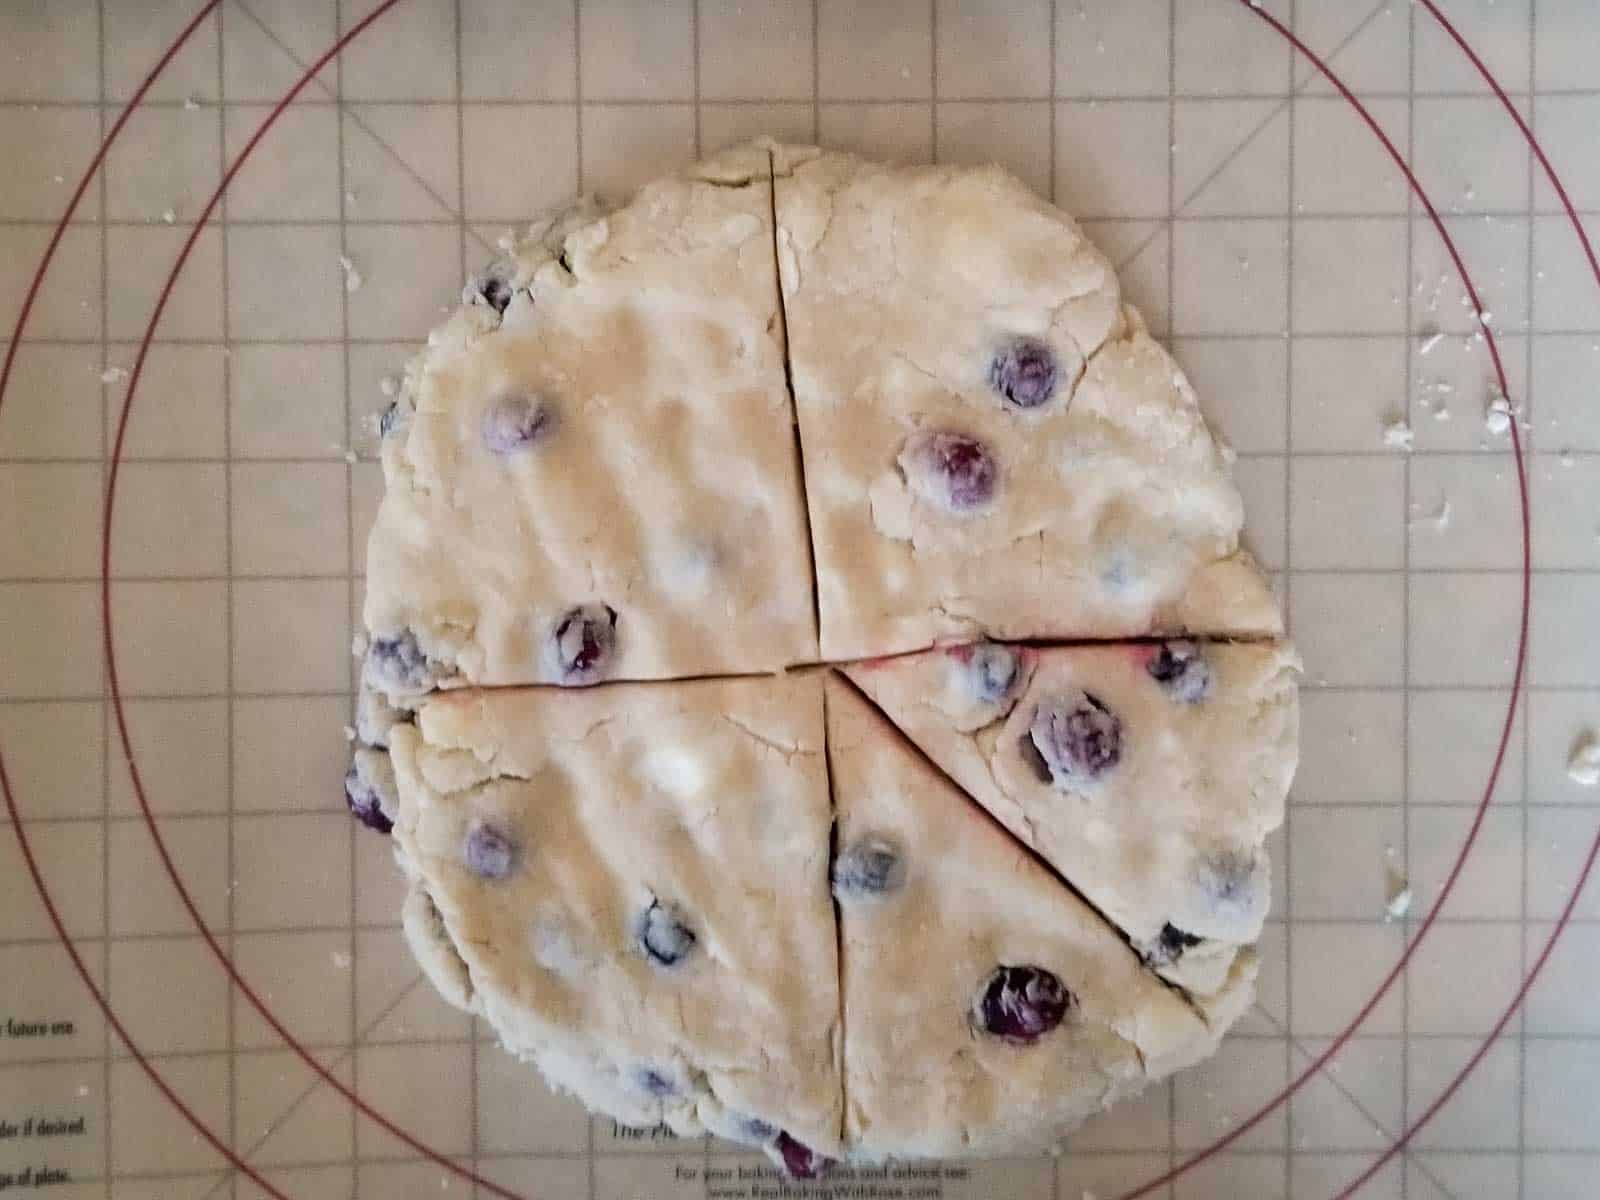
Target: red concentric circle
[{"x": 444, "y": 1162}]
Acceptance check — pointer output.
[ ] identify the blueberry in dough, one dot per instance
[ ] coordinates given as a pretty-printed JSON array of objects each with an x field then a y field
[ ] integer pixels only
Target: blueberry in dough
[
  {"x": 664, "y": 938},
  {"x": 1022, "y": 1004},
  {"x": 952, "y": 470},
  {"x": 490, "y": 852},
  {"x": 1169, "y": 946},
  {"x": 991, "y": 672},
  {"x": 398, "y": 664},
  {"x": 1077, "y": 737},
  {"x": 1024, "y": 373},
  {"x": 1182, "y": 671},
  {"x": 870, "y": 866},
  {"x": 515, "y": 422},
  {"x": 583, "y": 642},
  {"x": 1230, "y": 880},
  {"x": 656, "y": 1083},
  {"x": 365, "y": 802},
  {"x": 492, "y": 287},
  {"x": 754, "y": 1129},
  {"x": 800, "y": 1160}
]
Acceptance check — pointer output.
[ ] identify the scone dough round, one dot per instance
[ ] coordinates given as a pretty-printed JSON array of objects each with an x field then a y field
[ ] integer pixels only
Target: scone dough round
[{"x": 726, "y": 681}]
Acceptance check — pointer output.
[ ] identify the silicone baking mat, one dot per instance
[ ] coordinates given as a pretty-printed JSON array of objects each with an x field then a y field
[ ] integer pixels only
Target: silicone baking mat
[{"x": 216, "y": 1001}]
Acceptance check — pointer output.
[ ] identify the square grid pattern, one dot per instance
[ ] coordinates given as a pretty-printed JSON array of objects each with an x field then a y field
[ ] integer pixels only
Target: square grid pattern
[{"x": 1256, "y": 223}]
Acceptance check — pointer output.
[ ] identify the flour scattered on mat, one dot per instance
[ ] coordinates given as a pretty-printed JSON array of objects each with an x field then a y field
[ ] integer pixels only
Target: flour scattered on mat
[
  {"x": 1583, "y": 764},
  {"x": 352, "y": 276},
  {"x": 113, "y": 375},
  {"x": 1397, "y": 435},
  {"x": 341, "y": 959}
]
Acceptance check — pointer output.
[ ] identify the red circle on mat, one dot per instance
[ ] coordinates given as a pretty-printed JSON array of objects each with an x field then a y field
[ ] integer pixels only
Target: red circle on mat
[{"x": 434, "y": 1156}]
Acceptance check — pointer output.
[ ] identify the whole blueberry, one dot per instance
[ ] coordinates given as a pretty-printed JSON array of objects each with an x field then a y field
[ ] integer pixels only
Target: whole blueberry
[
  {"x": 1022, "y": 1004},
  {"x": 800, "y": 1160},
  {"x": 953, "y": 470},
  {"x": 1024, "y": 372},
  {"x": 662, "y": 935},
  {"x": 1078, "y": 738},
  {"x": 1182, "y": 671},
  {"x": 490, "y": 852},
  {"x": 362, "y": 795},
  {"x": 870, "y": 866},
  {"x": 397, "y": 664},
  {"x": 583, "y": 642},
  {"x": 1169, "y": 946},
  {"x": 515, "y": 422},
  {"x": 992, "y": 671}
]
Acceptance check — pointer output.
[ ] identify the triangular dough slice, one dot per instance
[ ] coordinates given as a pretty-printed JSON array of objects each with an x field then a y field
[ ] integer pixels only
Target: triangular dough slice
[
  {"x": 1147, "y": 774},
  {"x": 993, "y": 444},
  {"x": 986, "y": 1008},
  {"x": 591, "y": 470},
  {"x": 631, "y": 884}
]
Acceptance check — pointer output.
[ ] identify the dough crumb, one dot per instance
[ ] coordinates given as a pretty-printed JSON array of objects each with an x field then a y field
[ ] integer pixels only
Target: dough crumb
[
  {"x": 113, "y": 375},
  {"x": 352, "y": 276},
  {"x": 190, "y": 103},
  {"x": 349, "y": 733},
  {"x": 1398, "y": 435},
  {"x": 1583, "y": 764},
  {"x": 1497, "y": 417},
  {"x": 341, "y": 959},
  {"x": 389, "y": 385},
  {"x": 1398, "y": 889},
  {"x": 1438, "y": 518},
  {"x": 1430, "y": 343},
  {"x": 1435, "y": 397},
  {"x": 169, "y": 216},
  {"x": 1399, "y": 904}
]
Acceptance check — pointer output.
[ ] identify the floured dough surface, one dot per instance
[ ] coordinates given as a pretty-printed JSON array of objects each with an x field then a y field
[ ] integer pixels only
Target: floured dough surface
[
  {"x": 1147, "y": 774},
  {"x": 934, "y": 900},
  {"x": 600, "y": 482},
  {"x": 633, "y": 882},
  {"x": 993, "y": 443}
]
